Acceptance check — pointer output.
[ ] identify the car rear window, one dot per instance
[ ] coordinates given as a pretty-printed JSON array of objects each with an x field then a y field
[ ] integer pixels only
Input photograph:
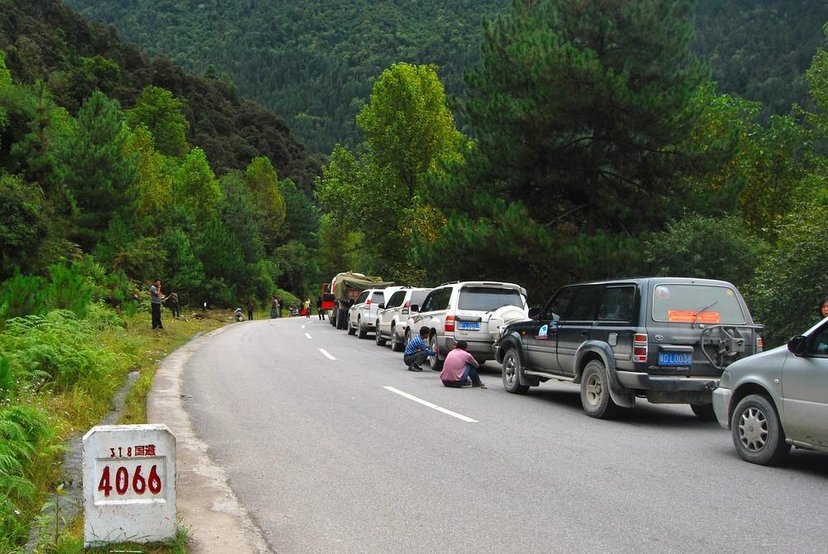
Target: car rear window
[
  {"x": 707, "y": 304},
  {"x": 486, "y": 299}
]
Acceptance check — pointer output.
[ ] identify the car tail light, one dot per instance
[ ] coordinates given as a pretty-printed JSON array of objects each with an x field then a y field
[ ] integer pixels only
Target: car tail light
[
  {"x": 640, "y": 347},
  {"x": 449, "y": 323},
  {"x": 760, "y": 344},
  {"x": 368, "y": 301}
]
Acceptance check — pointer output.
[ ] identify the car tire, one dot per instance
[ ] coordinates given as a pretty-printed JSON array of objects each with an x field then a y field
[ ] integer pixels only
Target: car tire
[
  {"x": 512, "y": 370},
  {"x": 756, "y": 431},
  {"x": 378, "y": 336},
  {"x": 362, "y": 332},
  {"x": 435, "y": 361},
  {"x": 397, "y": 345},
  {"x": 704, "y": 411},
  {"x": 595, "y": 394}
]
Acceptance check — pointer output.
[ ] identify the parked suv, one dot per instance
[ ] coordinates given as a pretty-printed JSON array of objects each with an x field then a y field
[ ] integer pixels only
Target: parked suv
[
  {"x": 666, "y": 339},
  {"x": 393, "y": 316},
  {"x": 363, "y": 313},
  {"x": 778, "y": 399},
  {"x": 472, "y": 311}
]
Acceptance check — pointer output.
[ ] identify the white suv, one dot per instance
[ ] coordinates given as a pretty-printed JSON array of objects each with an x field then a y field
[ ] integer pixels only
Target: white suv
[
  {"x": 393, "y": 316},
  {"x": 363, "y": 313},
  {"x": 472, "y": 311}
]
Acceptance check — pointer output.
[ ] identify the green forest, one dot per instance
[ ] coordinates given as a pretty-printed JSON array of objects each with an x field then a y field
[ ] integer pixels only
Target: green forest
[
  {"x": 314, "y": 62},
  {"x": 559, "y": 141}
]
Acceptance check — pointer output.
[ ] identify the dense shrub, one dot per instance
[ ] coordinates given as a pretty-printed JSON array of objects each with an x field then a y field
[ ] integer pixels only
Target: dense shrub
[
  {"x": 705, "y": 247},
  {"x": 793, "y": 278},
  {"x": 23, "y": 295},
  {"x": 57, "y": 351}
]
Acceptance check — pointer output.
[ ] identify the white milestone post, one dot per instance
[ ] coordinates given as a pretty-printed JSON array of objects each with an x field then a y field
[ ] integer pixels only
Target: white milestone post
[{"x": 128, "y": 484}]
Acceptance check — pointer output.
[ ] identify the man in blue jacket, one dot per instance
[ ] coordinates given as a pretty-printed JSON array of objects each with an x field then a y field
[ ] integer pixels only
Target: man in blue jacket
[{"x": 417, "y": 350}]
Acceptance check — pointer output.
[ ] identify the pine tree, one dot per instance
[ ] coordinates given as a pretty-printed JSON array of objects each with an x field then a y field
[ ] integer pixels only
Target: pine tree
[{"x": 578, "y": 103}]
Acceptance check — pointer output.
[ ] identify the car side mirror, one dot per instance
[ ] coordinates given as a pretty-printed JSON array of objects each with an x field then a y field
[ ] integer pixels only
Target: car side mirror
[
  {"x": 381, "y": 306},
  {"x": 798, "y": 345},
  {"x": 534, "y": 313},
  {"x": 415, "y": 307},
  {"x": 351, "y": 302}
]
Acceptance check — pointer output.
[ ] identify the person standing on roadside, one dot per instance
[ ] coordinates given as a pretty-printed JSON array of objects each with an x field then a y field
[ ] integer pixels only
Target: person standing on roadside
[
  {"x": 319, "y": 311},
  {"x": 416, "y": 351},
  {"x": 250, "y": 307},
  {"x": 156, "y": 297},
  {"x": 175, "y": 307},
  {"x": 274, "y": 305},
  {"x": 460, "y": 368}
]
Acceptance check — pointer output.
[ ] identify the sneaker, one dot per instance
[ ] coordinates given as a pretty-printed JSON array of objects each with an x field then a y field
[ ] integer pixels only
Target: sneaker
[
  {"x": 466, "y": 384},
  {"x": 481, "y": 386},
  {"x": 414, "y": 367},
  {"x": 418, "y": 367}
]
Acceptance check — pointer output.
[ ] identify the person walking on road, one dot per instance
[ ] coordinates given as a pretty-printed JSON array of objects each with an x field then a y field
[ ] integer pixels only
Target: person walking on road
[
  {"x": 417, "y": 350},
  {"x": 156, "y": 297},
  {"x": 319, "y": 311},
  {"x": 460, "y": 368}
]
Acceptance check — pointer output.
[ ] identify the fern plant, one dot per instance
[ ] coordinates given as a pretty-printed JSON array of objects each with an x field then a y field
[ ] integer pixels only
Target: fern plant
[{"x": 22, "y": 430}]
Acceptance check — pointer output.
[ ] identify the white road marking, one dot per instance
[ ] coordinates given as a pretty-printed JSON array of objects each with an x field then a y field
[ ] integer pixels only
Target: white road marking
[
  {"x": 430, "y": 405},
  {"x": 307, "y": 335},
  {"x": 325, "y": 353}
]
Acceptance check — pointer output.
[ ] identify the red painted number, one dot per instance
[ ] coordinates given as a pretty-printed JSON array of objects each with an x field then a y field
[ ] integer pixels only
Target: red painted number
[
  {"x": 104, "y": 484},
  {"x": 154, "y": 481},
  {"x": 139, "y": 483}
]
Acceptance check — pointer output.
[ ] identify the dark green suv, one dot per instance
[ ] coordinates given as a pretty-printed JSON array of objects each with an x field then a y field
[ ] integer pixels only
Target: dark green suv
[{"x": 666, "y": 339}]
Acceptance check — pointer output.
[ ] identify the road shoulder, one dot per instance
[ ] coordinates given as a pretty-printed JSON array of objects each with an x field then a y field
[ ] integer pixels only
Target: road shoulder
[{"x": 206, "y": 505}]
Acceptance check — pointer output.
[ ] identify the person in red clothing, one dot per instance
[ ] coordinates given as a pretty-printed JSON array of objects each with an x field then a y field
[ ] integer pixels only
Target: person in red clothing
[{"x": 460, "y": 368}]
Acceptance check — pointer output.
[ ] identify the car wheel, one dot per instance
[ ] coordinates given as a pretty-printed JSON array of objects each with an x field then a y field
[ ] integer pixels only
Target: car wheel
[
  {"x": 757, "y": 433},
  {"x": 435, "y": 361},
  {"x": 363, "y": 333},
  {"x": 704, "y": 411},
  {"x": 351, "y": 328},
  {"x": 378, "y": 336},
  {"x": 511, "y": 373},
  {"x": 397, "y": 345},
  {"x": 595, "y": 394}
]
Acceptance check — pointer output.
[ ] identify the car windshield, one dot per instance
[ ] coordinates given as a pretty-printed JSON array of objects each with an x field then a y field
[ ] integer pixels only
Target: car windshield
[
  {"x": 704, "y": 304},
  {"x": 486, "y": 299}
]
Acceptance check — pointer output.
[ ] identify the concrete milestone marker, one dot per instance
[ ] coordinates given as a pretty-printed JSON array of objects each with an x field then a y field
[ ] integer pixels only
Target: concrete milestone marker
[{"x": 128, "y": 484}]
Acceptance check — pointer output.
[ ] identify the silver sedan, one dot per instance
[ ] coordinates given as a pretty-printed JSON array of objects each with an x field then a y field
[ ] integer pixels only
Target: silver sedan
[{"x": 777, "y": 399}]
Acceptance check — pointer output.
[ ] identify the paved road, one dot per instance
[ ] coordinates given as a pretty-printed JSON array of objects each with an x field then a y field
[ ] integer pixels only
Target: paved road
[{"x": 331, "y": 446}]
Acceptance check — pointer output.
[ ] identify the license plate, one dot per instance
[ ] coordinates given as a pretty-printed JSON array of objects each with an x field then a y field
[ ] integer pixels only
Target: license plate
[
  {"x": 468, "y": 325},
  {"x": 675, "y": 358}
]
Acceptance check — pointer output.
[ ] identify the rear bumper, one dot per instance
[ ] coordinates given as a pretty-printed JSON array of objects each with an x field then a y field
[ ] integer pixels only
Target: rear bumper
[
  {"x": 481, "y": 350},
  {"x": 645, "y": 381}
]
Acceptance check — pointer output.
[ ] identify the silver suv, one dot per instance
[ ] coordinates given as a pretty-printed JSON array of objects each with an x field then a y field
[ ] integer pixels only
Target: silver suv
[
  {"x": 363, "y": 313},
  {"x": 393, "y": 316},
  {"x": 777, "y": 399},
  {"x": 472, "y": 311}
]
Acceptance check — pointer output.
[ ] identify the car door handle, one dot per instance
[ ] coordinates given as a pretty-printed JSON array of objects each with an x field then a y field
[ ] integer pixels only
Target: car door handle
[{"x": 583, "y": 333}]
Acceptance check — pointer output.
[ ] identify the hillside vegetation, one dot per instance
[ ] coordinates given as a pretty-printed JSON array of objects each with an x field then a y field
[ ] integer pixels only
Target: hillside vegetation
[{"x": 314, "y": 62}]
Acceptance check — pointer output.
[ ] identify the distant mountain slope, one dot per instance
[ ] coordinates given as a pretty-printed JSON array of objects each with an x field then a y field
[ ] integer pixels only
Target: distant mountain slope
[
  {"x": 46, "y": 40},
  {"x": 313, "y": 62}
]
